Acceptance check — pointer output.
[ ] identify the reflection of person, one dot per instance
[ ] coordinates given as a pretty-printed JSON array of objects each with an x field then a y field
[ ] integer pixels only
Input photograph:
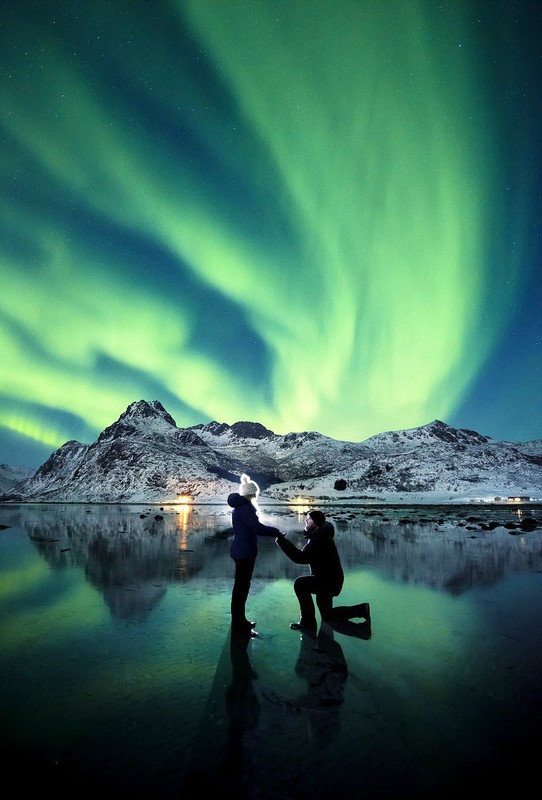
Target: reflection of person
[
  {"x": 243, "y": 708},
  {"x": 244, "y": 548},
  {"x": 326, "y": 576},
  {"x": 321, "y": 663},
  {"x": 223, "y": 766}
]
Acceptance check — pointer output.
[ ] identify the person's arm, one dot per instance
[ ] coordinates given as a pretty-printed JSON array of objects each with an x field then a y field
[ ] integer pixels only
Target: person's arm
[
  {"x": 294, "y": 553},
  {"x": 267, "y": 530},
  {"x": 258, "y": 527}
]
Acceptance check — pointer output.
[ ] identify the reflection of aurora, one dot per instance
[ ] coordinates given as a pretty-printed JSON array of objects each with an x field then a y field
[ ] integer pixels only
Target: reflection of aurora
[
  {"x": 132, "y": 558},
  {"x": 206, "y": 199}
]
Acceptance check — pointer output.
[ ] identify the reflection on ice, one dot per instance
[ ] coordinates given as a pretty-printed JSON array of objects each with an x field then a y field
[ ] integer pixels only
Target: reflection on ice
[
  {"x": 132, "y": 553},
  {"x": 118, "y": 667}
]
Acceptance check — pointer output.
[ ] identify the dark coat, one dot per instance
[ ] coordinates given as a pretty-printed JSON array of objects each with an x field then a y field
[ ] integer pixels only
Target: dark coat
[
  {"x": 321, "y": 554},
  {"x": 246, "y": 527}
]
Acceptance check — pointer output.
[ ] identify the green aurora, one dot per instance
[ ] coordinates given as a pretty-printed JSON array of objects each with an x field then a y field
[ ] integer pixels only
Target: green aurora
[{"x": 317, "y": 216}]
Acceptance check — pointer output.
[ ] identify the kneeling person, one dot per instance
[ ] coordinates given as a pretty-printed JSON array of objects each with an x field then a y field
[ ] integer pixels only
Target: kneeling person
[{"x": 326, "y": 576}]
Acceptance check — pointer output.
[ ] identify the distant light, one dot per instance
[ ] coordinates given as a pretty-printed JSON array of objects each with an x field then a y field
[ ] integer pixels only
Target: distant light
[
  {"x": 301, "y": 501},
  {"x": 184, "y": 499},
  {"x": 184, "y": 503}
]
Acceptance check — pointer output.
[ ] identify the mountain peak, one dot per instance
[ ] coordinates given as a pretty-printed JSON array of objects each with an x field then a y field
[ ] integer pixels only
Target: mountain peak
[
  {"x": 251, "y": 430},
  {"x": 239, "y": 430},
  {"x": 140, "y": 416},
  {"x": 142, "y": 409},
  {"x": 448, "y": 434}
]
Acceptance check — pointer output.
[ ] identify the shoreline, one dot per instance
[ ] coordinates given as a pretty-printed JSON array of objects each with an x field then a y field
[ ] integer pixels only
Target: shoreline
[{"x": 293, "y": 505}]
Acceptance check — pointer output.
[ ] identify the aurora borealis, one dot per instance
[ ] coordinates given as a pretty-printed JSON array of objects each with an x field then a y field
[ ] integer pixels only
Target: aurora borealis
[{"x": 314, "y": 215}]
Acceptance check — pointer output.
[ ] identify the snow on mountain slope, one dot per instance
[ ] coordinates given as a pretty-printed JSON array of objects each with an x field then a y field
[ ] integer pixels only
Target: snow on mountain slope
[
  {"x": 10, "y": 476},
  {"x": 278, "y": 457},
  {"x": 144, "y": 457}
]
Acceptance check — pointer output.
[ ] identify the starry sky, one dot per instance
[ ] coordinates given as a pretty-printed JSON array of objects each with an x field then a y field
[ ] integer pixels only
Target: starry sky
[{"x": 313, "y": 215}]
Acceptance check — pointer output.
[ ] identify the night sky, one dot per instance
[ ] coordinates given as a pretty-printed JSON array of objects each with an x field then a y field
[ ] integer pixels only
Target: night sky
[{"x": 314, "y": 215}]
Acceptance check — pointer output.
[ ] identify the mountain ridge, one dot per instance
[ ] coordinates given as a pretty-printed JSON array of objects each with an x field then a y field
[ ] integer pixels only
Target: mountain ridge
[{"x": 145, "y": 457}]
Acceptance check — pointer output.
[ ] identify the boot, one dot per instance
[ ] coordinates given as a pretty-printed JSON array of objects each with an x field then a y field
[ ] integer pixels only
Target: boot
[{"x": 364, "y": 610}]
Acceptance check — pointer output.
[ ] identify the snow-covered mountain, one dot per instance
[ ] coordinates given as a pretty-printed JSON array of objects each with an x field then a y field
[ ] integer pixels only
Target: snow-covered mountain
[
  {"x": 11, "y": 475},
  {"x": 144, "y": 457}
]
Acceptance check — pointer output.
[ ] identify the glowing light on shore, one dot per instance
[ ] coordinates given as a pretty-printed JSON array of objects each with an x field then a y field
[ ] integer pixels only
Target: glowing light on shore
[
  {"x": 183, "y": 508},
  {"x": 302, "y": 505},
  {"x": 302, "y": 501}
]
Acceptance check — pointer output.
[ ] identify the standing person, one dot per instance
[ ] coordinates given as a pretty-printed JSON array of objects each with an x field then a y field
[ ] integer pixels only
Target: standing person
[
  {"x": 326, "y": 576},
  {"x": 244, "y": 549}
]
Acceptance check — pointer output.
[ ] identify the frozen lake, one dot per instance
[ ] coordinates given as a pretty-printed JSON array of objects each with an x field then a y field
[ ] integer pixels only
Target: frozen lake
[{"x": 118, "y": 672}]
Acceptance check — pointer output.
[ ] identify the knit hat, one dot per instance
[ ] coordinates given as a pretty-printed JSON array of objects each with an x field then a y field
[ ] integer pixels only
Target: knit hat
[
  {"x": 248, "y": 487},
  {"x": 318, "y": 517}
]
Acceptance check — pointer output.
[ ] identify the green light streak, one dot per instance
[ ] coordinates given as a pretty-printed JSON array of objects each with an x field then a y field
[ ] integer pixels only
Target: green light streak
[
  {"x": 33, "y": 429},
  {"x": 389, "y": 182},
  {"x": 83, "y": 611},
  {"x": 17, "y": 582},
  {"x": 376, "y": 123},
  {"x": 102, "y": 314}
]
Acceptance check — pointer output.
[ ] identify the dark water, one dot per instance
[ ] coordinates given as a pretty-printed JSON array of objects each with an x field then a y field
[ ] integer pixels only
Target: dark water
[{"x": 118, "y": 673}]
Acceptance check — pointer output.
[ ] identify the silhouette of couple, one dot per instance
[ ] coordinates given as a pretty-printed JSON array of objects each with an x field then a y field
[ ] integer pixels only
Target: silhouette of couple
[{"x": 320, "y": 553}]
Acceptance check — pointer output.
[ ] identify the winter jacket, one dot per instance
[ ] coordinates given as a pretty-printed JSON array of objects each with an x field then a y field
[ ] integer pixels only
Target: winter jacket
[
  {"x": 321, "y": 554},
  {"x": 246, "y": 527}
]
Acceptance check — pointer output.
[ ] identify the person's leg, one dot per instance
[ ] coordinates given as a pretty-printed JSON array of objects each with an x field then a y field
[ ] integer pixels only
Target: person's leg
[
  {"x": 304, "y": 587},
  {"x": 344, "y": 613},
  {"x": 324, "y": 601},
  {"x": 244, "y": 568}
]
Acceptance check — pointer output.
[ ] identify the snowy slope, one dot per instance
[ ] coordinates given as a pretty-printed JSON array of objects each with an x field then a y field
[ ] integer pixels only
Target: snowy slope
[
  {"x": 144, "y": 457},
  {"x": 10, "y": 476}
]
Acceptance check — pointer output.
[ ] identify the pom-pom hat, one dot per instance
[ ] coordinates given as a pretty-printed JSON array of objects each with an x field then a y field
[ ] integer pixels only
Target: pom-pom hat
[{"x": 247, "y": 487}]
